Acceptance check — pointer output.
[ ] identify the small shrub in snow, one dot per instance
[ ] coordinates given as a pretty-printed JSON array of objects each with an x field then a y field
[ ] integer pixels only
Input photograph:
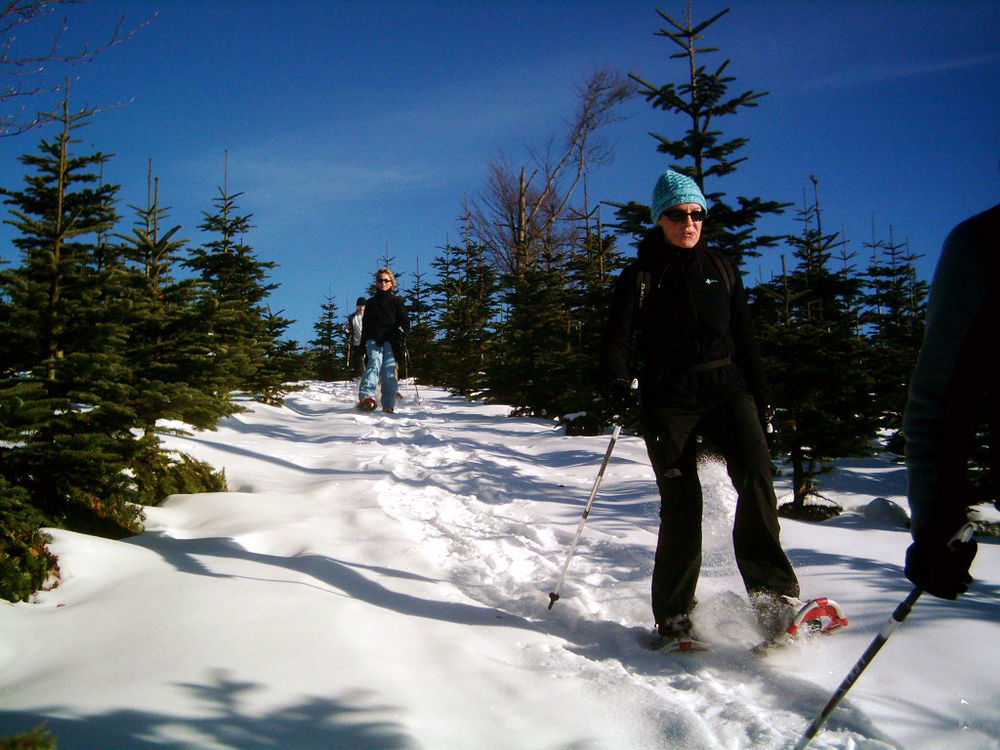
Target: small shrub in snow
[{"x": 25, "y": 563}]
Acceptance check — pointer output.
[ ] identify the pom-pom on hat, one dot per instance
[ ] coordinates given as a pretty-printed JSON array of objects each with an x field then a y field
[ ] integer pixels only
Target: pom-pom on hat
[{"x": 672, "y": 189}]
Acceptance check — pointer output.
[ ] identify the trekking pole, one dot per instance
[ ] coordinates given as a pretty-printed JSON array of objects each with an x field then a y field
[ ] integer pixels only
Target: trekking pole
[
  {"x": 406, "y": 353},
  {"x": 554, "y": 594},
  {"x": 899, "y": 614}
]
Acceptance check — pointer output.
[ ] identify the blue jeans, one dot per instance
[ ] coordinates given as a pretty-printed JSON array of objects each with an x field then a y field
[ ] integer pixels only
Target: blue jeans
[{"x": 381, "y": 366}]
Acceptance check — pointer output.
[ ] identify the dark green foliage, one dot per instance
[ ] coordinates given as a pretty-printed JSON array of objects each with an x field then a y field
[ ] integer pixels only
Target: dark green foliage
[
  {"x": 329, "y": 350},
  {"x": 418, "y": 357},
  {"x": 700, "y": 99},
  {"x": 894, "y": 323},
  {"x": 235, "y": 313},
  {"x": 70, "y": 453},
  {"x": 38, "y": 738},
  {"x": 247, "y": 344},
  {"x": 532, "y": 369},
  {"x": 282, "y": 363},
  {"x": 816, "y": 359},
  {"x": 466, "y": 302},
  {"x": 65, "y": 435},
  {"x": 592, "y": 270},
  {"x": 158, "y": 473},
  {"x": 174, "y": 373},
  {"x": 25, "y": 563},
  {"x": 99, "y": 341}
]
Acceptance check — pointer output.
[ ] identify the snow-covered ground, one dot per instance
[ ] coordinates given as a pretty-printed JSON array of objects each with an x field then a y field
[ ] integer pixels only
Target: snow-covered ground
[{"x": 382, "y": 581}]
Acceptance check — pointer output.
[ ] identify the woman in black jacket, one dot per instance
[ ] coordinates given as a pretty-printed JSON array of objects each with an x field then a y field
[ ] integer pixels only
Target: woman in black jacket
[
  {"x": 383, "y": 331},
  {"x": 680, "y": 324}
]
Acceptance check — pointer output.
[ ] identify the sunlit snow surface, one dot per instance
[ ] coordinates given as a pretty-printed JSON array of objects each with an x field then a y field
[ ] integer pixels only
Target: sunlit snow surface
[{"x": 382, "y": 581}]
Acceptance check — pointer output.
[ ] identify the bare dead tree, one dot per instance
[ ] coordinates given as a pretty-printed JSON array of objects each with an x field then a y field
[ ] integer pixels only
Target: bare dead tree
[
  {"x": 23, "y": 67},
  {"x": 519, "y": 211}
]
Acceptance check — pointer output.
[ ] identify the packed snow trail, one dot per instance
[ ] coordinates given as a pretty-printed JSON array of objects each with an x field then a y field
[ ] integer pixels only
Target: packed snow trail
[
  {"x": 377, "y": 580},
  {"x": 480, "y": 512}
]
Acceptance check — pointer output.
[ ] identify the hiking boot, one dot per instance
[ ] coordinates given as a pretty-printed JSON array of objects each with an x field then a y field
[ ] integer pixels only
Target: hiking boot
[
  {"x": 677, "y": 634},
  {"x": 775, "y": 613},
  {"x": 367, "y": 404}
]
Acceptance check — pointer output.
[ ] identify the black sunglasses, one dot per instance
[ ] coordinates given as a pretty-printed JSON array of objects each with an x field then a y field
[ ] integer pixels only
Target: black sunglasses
[
  {"x": 384, "y": 281},
  {"x": 676, "y": 215}
]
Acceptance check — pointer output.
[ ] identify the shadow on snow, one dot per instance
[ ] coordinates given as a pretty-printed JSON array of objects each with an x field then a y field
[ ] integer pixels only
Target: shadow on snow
[{"x": 317, "y": 723}]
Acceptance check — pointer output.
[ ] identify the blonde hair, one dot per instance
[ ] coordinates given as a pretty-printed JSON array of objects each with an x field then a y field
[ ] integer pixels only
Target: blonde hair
[{"x": 388, "y": 273}]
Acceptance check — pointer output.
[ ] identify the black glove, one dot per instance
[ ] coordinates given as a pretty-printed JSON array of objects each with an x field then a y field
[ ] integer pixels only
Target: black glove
[
  {"x": 938, "y": 567},
  {"x": 621, "y": 395}
]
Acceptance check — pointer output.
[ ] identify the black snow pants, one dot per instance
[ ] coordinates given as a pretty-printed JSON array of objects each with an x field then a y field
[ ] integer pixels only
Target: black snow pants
[{"x": 733, "y": 427}]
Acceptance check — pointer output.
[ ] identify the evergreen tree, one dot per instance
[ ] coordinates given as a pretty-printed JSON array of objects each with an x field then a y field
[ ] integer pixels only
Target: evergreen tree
[
  {"x": 447, "y": 296},
  {"x": 465, "y": 295},
  {"x": 816, "y": 360},
  {"x": 592, "y": 270},
  {"x": 173, "y": 373},
  {"x": 525, "y": 221},
  {"x": 895, "y": 324},
  {"x": 328, "y": 355},
  {"x": 65, "y": 435},
  {"x": 236, "y": 311},
  {"x": 420, "y": 342},
  {"x": 531, "y": 368},
  {"x": 282, "y": 363},
  {"x": 701, "y": 99}
]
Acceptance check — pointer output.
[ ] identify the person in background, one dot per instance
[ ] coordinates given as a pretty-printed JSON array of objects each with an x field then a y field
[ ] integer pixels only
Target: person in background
[
  {"x": 355, "y": 352},
  {"x": 383, "y": 334},
  {"x": 954, "y": 384},
  {"x": 680, "y": 323}
]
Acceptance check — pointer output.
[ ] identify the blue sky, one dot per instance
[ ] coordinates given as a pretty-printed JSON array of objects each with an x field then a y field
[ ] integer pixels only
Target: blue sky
[{"x": 356, "y": 129}]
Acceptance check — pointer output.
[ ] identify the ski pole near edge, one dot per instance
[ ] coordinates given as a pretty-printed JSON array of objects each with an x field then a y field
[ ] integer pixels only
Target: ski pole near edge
[
  {"x": 406, "y": 353},
  {"x": 554, "y": 594},
  {"x": 899, "y": 614}
]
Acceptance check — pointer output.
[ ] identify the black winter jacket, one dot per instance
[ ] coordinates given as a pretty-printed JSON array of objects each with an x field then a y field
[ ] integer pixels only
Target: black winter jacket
[
  {"x": 955, "y": 383},
  {"x": 385, "y": 319},
  {"x": 690, "y": 342}
]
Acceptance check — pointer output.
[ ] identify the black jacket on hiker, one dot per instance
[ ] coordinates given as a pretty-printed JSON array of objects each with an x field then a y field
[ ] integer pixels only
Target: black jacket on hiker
[
  {"x": 953, "y": 390},
  {"x": 689, "y": 339},
  {"x": 679, "y": 322},
  {"x": 385, "y": 320}
]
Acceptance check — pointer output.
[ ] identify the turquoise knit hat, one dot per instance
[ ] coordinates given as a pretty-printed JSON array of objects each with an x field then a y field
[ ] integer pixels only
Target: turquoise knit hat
[{"x": 673, "y": 189}]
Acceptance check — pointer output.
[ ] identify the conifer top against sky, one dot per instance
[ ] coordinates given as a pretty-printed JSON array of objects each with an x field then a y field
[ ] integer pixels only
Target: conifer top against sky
[{"x": 356, "y": 130}]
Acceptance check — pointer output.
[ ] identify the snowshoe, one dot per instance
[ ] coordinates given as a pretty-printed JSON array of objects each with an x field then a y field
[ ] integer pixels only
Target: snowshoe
[
  {"x": 821, "y": 616},
  {"x": 367, "y": 404},
  {"x": 677, "y": 635}
]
